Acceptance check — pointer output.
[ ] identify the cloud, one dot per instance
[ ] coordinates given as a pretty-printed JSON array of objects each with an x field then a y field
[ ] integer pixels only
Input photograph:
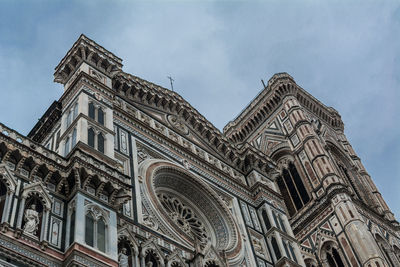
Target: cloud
[{"x": 345, "y": 54}]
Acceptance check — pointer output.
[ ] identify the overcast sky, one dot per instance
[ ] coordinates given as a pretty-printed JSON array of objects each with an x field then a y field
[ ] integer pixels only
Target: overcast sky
[{"x": 346, "y": 54}]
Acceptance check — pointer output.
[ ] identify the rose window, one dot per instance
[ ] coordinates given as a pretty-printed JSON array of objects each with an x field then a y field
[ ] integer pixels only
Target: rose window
[{"x": 183, "y": 216}]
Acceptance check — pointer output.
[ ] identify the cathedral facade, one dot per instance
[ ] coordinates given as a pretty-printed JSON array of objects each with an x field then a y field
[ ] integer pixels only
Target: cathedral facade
[{"x": 122, "y": 172}]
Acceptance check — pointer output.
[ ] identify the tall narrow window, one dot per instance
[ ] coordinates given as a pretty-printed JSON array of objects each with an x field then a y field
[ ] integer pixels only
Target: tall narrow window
[
  {"x": 292, "y": 252},
  {"x": 72, "y": 228},
  {"x": 100, "y": 143},
  {"x": 266, "y": 220},
  {"x": 69, "y": 119},
  {"x": 57, "y": 139},
  {"x": 101, "y": 235},
  {"x": 66, "y": 146},
  {"x": 73, "y": 143},
  {"x": 299, "y": 184},
  {"x": 283, "y": 228},
  {"x": 89, "y": 228},
  {"x": 100, "y": 116},
  {"x": 293, "y": 189},
  {"x": 91, "y": 137},
  {"x": 75, "y": 110},
  {"x": 275, "y": 247},
  {"x": 91, "y": 111},
  {"x": 337, "y": 258}
]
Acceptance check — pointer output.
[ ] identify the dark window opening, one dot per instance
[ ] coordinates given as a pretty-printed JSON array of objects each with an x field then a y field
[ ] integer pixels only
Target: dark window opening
[
  {"x": 100, "y": 143},
  {"x": 91, "y": 137},
  {"x": 91, "y": 111},
  {"x": 276, "y": 248},
  {"x": 100, "y": 116},
  {"x": 266, "y": 220}
]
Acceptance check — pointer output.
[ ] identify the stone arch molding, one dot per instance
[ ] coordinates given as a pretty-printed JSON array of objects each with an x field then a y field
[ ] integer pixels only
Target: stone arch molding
[
  {"x": 166, "y": 184},
  {"x": 37, "y": 189},
  {"x": 7, "y": 177}
]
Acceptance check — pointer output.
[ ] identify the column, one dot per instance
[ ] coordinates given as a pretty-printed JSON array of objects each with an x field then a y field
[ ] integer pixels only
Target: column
[
  {"x": 280, "y": 244},
  {"x": 271, "y": 217},
  {"x": 21, "y": 213},
  {"x": 136, "y": 260},
  {"x": 142, "y": 263},
  {"x": 299, "y": 257},
  {"x": 4, "y": 217},
  {"x": 45, "y": 223}
]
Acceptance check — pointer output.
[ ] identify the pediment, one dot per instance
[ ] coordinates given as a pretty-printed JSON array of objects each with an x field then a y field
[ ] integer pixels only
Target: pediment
[
  {"x": 37, "y": 188},
  {"x": 8, "y": 177}
]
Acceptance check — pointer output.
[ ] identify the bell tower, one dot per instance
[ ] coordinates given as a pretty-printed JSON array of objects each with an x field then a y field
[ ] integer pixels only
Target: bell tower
[
  {"x": 87, "y": 112},
  {"x": 330, "y": 198}
]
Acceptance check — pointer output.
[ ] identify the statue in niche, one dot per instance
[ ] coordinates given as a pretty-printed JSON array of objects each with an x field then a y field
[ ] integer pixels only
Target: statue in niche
[
  {"x": 123, "y": 260},
  {"x": 149, "y": 264},
  {"x": 31, "y": 220}
]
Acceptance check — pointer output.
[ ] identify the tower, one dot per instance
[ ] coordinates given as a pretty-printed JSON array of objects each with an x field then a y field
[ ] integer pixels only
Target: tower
[{"x": 336, "y": 211}]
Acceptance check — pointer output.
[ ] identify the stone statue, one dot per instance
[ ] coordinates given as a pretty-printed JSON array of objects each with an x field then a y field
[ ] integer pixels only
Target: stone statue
[
  {"x": 31, "y": 220},
  {"x": 149, "y": 264},
  {"x": 123, "y": 258}
]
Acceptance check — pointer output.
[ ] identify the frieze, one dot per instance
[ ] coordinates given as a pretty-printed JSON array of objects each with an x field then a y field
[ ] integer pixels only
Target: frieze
[
  {"x": 27, "y": 253},
  {"x": 244, "y": 194}
]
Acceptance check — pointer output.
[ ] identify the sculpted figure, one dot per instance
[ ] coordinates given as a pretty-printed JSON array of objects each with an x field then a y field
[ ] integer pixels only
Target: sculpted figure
[
  {"x": 31, "y": 220},
  {"x": 123, "y": 258},
  {"x": 149, "y": 264}
]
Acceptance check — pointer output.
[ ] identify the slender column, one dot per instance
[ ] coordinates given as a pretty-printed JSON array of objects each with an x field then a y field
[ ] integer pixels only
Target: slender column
[
  {"x": 299, "y": 257},
  {"x": 287, "y": 225},
  {"x": 274, "y": 259},
  {"x": 280, "y": 244},
  {"x": 271, "y": 217},
  {"x": 46, "y": 224},
  {"x": 9, "y": 203},
  {"x": 136, "y": 260},
  {"x": 21, "y": 213},
  {"x": 6, "y": 207},
  {"x": 142, "y": 263}
]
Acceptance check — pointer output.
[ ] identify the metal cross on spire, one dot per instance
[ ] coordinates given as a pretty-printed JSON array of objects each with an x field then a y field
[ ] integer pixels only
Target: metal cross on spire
[{"x": 171, "y": 81}]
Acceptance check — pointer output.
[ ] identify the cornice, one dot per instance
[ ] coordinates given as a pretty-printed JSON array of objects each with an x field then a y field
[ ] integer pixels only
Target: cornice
[
  {"x": 279, "y": 87},
  {"x": 135, "y": 90}
]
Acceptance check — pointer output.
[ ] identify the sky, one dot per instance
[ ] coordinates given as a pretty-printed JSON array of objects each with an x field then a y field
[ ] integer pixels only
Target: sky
[{"x": 345, "y": 53}]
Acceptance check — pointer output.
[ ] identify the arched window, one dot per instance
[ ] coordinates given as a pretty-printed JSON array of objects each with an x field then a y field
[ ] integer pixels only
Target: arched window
[
  {"x": 91, "y": 111},
  {"x": 100, "y": 116},
  {"x": 266, "y": 219},
  {"x": 91, "y": 137},
  {"x": 331, "y": 255},
  {"x": 96, "y": 229},
  {"x": 100, "y": 143},
  {"x": 151, "y": 257},
  {"x": 293, "y": 189},
  {"x": 101, "y": 235},
  {"x": 89, "y": 228}
]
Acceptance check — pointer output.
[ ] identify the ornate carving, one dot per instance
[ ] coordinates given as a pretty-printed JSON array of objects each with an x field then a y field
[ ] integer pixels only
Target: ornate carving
[
  {"x": 31, "y": 221},
  {"x": 177, "y": 124},
  {"x": 183, "y": 216}
]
